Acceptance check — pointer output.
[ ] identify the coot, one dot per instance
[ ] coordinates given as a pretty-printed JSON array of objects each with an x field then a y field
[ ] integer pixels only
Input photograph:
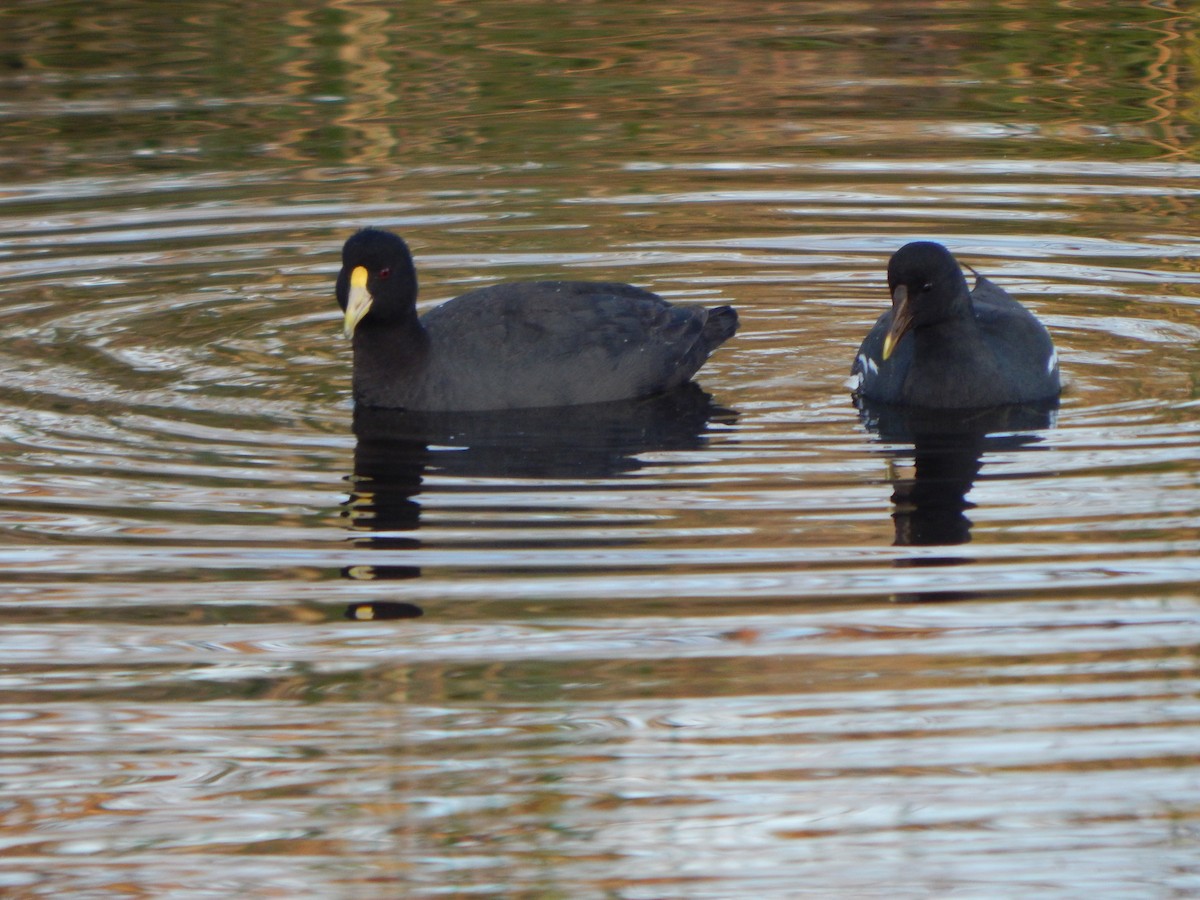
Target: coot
[
  {"x": 512, "y": 346},
  {"x": 943, "y": 345}
]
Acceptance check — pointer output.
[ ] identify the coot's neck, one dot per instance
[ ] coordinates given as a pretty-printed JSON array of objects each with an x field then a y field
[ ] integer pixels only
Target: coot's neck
[
  {"x": 954, "y": 337},
  {"x": 389, "y": 358},
  {"x": 952, "y": 361},
  {"x": 960, "y": 308},
  {"x": 939, "y": 329}
]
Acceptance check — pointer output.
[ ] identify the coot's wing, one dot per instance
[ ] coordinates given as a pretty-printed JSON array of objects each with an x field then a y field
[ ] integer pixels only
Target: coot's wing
[
  {"x": 1019, "y": 343},
  {"x": 558, "y": 344}
]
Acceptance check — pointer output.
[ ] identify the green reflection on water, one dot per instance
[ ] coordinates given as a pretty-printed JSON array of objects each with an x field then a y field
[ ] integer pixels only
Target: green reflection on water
[{"x": 91, "y": 90}]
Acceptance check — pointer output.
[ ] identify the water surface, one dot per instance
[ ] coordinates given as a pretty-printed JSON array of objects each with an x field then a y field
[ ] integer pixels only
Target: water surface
[{"x": 753, "y": 643}]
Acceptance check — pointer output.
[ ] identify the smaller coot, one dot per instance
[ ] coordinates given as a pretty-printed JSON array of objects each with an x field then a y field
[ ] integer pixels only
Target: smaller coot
[
  {"x": 943, "y": 345},
  {"x": 512, "y": 346}
]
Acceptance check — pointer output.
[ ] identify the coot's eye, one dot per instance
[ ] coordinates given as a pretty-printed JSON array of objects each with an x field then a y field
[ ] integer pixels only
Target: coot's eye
[
  {"x": 927, "y": 287},
  {"x": 385, "y": 272}
]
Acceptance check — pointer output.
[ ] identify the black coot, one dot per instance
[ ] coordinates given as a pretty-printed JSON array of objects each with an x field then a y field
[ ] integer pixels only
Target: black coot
[
  {"x": 512, "y": 346},
  {"x": 946, "y": 346}
]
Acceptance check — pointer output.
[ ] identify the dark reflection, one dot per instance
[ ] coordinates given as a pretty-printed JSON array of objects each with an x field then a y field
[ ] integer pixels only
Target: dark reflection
[
  {"x": 948, "y": 451},
  {"x": 398, "y": 451},
  {"x": 383, "y": 610}
]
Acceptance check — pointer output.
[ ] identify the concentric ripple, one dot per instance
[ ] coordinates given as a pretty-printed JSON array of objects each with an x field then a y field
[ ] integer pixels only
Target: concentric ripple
[{"x": 727, "y": 632}]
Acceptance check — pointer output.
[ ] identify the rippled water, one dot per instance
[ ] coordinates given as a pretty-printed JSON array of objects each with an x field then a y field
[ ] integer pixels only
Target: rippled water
[{"x": 758, "y": 644}]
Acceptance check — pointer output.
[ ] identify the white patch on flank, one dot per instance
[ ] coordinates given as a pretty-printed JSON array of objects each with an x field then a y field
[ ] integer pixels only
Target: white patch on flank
[
  {"x": 865, "y": 366},
  {"x": 1052, "y": 362}
]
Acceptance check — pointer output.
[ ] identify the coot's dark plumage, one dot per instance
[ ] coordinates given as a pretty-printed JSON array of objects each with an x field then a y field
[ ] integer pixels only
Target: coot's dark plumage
[
  {"x": 943, "y": 345},
  {"x": 512, "y": 346}
]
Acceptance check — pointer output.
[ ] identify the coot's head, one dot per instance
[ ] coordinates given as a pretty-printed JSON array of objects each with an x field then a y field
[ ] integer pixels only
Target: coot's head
[
  {"x": 927, "y": 286},
  {"x": 377, "y": 278}
]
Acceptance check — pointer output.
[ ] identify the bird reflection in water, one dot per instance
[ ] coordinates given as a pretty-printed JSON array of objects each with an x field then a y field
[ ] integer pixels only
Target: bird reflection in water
[
  {"x": 397, "y": 451},
  {"x": 948, "y": 449}
]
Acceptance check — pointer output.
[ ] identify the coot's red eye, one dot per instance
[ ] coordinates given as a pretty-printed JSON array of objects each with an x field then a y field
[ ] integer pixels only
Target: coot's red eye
[{"x": 385, "y": 273}]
